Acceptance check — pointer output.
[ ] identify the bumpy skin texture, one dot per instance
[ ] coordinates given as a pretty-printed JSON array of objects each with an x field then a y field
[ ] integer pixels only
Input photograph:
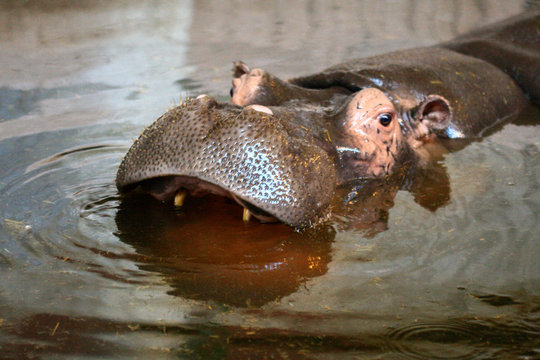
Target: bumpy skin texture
[
  {"x": 245, "y": 153},
  {"x": 479, "y": 93},
  {"x": 512, "y": 45}
]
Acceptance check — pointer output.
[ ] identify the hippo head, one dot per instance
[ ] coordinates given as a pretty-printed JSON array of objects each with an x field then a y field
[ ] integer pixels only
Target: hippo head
[
  {"x": 279, "y": 163},
  {"x": 246, "y": 154},
  {"x": 369, "y": 139},
  {"x": 373, "y": 137}
]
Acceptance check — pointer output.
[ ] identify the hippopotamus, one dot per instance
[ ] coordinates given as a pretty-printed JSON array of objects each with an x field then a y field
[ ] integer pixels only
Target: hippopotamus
[
  {"x": 282, "y": 160},
  {"x": 279, "y": 163}
]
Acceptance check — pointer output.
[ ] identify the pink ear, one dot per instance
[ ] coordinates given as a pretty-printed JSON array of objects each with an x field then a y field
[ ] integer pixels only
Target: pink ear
[
  {"x": 239, "y": 69},
  {"x": 435, "y": 112}
]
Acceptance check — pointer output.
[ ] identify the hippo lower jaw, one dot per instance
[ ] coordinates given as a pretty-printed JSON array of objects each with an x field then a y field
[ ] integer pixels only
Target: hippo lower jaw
[{"x": 178, "y": 187}]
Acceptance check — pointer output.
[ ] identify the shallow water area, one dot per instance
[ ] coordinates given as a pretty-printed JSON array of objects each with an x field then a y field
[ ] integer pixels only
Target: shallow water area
[{"x": 444, "y": 270}]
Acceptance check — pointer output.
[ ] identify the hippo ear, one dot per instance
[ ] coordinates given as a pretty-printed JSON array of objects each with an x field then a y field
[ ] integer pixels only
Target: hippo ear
[
  {"x": 434, "y": 112},
  {"x": 239, "y": 69}
]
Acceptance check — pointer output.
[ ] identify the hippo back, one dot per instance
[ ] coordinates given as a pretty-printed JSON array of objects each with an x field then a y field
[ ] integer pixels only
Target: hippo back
[
  {"x": 479, "y": 93},
  {"x": 512, "y": 45}
]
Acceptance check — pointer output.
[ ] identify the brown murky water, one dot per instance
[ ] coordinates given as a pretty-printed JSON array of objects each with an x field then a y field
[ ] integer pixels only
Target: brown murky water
[{"x": 447, "y": 269}]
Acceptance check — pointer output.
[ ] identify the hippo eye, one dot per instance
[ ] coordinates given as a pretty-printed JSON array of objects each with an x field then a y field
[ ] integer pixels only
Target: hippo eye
[
  {"x": 232, "y": 91},
  {"x": 385, "y": 119}
]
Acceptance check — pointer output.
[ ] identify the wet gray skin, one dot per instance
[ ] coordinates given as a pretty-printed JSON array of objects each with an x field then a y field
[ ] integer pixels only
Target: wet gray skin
[
  {"x": 512, "y": 45},
  {"x": 202, "y": 146},
  {"x": 280, "y": 163},
  {"x": 478, "y": 94},
  {"x": 481, "y": 89}
]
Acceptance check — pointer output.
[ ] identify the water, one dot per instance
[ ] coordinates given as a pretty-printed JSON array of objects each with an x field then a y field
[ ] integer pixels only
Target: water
[{"x": 445, "y": 270}]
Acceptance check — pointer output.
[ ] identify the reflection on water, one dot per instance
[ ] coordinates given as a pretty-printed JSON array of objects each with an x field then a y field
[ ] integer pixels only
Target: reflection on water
[
  {"x": 435, "y": 264},
  {"x": 229, "y": 262},
  {"x": 15, "y": 103}
]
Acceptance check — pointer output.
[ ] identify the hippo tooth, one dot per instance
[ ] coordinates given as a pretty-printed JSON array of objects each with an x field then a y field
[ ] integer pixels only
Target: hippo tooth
[
  {"x": 179, "y": 199},
  {"x": 246, "y": 216}
]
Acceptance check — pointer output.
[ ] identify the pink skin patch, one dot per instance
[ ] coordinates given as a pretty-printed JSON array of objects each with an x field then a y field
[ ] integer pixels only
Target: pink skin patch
[
  {"x": 372, "y": 127},
  {"x": 246, "y": 87}
]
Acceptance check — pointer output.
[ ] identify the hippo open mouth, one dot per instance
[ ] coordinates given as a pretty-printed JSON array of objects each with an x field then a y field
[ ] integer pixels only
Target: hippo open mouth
[
  {"x": 241, "y": 153},
  {"x": 179, "y": 187}
]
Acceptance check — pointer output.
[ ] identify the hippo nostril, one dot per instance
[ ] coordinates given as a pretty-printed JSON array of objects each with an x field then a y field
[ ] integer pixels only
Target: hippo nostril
[
  {"x": 206, "y": 101},
  {"x": 232, "y": 91}
]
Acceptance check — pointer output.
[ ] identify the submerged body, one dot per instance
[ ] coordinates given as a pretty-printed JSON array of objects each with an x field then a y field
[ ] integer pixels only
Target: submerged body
[
  {"x": 479, "y": 94},
  {"x": 512, "y": 45}
]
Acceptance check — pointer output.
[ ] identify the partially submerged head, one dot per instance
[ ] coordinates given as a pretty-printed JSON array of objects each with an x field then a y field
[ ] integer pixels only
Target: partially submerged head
[
  {"x": 245, "y": 154},
  {"x": 373, "y": 137},
  {"x": 259, "y": 158}
]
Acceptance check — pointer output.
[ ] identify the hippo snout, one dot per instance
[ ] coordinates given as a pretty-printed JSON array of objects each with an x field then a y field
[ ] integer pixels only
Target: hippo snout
[{"x": 246, "y": 154}]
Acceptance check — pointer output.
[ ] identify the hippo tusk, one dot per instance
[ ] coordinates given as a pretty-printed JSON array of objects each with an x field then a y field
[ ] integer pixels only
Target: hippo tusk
[
  {"x": 179, "y": 198},
  {"x": 246, "y": 216}
]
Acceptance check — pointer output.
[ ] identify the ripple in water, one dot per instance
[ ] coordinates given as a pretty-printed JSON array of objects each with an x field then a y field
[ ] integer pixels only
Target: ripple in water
[
  {"x": 68, "y": 218},
  {"x": 451, "y": 340},
  {"x": 57, "y": 211}
]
